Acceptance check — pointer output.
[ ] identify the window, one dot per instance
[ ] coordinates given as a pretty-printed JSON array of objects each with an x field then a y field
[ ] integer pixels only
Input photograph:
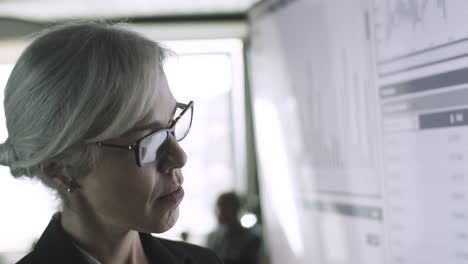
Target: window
[{"x": 208, "y": 73}]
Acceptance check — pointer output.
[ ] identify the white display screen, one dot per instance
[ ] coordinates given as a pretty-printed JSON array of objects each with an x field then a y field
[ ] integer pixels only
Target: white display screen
[{"x": 361, "y": 114}]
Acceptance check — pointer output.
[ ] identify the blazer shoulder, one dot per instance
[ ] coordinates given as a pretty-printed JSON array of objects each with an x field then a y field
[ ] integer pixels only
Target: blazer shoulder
[
  {"x": 196, "y": 253},
  {"x": 30, "y": 258}
]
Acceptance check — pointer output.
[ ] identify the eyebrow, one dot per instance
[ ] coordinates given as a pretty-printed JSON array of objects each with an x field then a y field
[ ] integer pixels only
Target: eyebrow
[{"x": 152, "y": 125}]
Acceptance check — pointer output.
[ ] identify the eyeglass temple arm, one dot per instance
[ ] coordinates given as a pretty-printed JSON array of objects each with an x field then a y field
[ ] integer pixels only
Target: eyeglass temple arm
[
  {"x": 181, "y": 105},
  {"x": 115, "y": 146}
]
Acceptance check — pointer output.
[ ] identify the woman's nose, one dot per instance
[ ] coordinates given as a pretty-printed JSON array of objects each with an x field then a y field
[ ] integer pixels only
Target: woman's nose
[{"x": 173, "y": 156}]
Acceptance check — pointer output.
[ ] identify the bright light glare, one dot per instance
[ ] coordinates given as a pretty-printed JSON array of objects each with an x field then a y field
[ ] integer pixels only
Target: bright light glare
[
  {"x": 248, "y": 220},
  {"x": 5, "y": 70},
  {"x": 199, "y": 75},
  {"x": 275, "y": 164},
  {"x": 26, "y": 206},
  {"x": 206, "y": 77}
]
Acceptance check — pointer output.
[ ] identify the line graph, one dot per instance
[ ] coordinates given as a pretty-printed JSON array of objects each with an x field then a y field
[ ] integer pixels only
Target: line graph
[
  {"x": 405, "y": 27},
  {"x": 410, "y": 12}
]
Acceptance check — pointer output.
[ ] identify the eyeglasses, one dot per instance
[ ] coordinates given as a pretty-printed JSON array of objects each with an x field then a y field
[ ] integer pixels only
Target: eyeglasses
[{"x": 147, "y": 148}]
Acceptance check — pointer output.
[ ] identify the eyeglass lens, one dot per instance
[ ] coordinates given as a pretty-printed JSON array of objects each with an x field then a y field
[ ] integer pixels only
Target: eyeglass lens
[
  {"x": 182, "y": 126},
  {"x": 150, "y": 145}
]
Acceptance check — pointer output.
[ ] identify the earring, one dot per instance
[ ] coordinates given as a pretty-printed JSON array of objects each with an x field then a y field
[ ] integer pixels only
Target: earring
[{"x": 71, "y": 188}]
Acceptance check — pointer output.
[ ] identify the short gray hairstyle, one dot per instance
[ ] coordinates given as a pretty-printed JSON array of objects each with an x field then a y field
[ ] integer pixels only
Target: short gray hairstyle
[{"x": 74, "y": 85}]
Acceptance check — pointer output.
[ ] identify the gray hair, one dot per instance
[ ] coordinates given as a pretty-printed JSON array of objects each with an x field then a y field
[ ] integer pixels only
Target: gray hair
[{"x": 74, "y": 85}]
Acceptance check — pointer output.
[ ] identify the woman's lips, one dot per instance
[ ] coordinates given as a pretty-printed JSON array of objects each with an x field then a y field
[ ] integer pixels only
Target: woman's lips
[{"x": 175, "y": 196}]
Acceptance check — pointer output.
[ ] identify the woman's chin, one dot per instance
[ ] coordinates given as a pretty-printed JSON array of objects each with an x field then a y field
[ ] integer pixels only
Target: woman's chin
[{"x": 166, "y": 222}]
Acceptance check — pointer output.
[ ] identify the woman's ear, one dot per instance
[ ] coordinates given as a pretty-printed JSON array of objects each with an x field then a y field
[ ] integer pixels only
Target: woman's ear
[{"x": 58, "y": 177}]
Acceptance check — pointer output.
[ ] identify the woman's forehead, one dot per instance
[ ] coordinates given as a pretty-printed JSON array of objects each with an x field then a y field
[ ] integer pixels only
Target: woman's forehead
[
  {"x": 154, "y": 120},
  {"x": 162, "y": 110},
  {"x": 160, "y": 114}
]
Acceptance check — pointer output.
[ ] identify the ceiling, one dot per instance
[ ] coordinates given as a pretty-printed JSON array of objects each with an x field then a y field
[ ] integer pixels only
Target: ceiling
[{"x": 45, "y": 10}]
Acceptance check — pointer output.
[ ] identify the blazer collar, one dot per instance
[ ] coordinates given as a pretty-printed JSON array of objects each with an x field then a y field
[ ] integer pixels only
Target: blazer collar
[
  {"x": 56, "y": 246},
  {"x": 159, "y": 252}
]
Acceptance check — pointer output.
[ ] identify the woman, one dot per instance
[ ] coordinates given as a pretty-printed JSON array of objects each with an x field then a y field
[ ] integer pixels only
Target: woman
[{"x": 90, "y": 114}]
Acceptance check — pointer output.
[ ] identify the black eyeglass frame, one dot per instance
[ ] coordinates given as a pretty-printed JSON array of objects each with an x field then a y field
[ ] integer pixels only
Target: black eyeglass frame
[{"x": 170, "y": 130}]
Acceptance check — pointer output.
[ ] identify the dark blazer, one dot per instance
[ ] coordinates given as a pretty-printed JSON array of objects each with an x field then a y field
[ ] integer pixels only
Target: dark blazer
[{"x": 56, "y": 247}]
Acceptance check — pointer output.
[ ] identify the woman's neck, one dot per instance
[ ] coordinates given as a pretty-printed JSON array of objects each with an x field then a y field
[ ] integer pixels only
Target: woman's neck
[{"x": 106, "y": 243}]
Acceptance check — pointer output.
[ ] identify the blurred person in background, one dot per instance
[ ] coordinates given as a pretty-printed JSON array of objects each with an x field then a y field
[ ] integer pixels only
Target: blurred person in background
[
  {"x": 89, "y": 113},
  {"x": 233, "y": 243},
  {"x": 185, "y": 236}
]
